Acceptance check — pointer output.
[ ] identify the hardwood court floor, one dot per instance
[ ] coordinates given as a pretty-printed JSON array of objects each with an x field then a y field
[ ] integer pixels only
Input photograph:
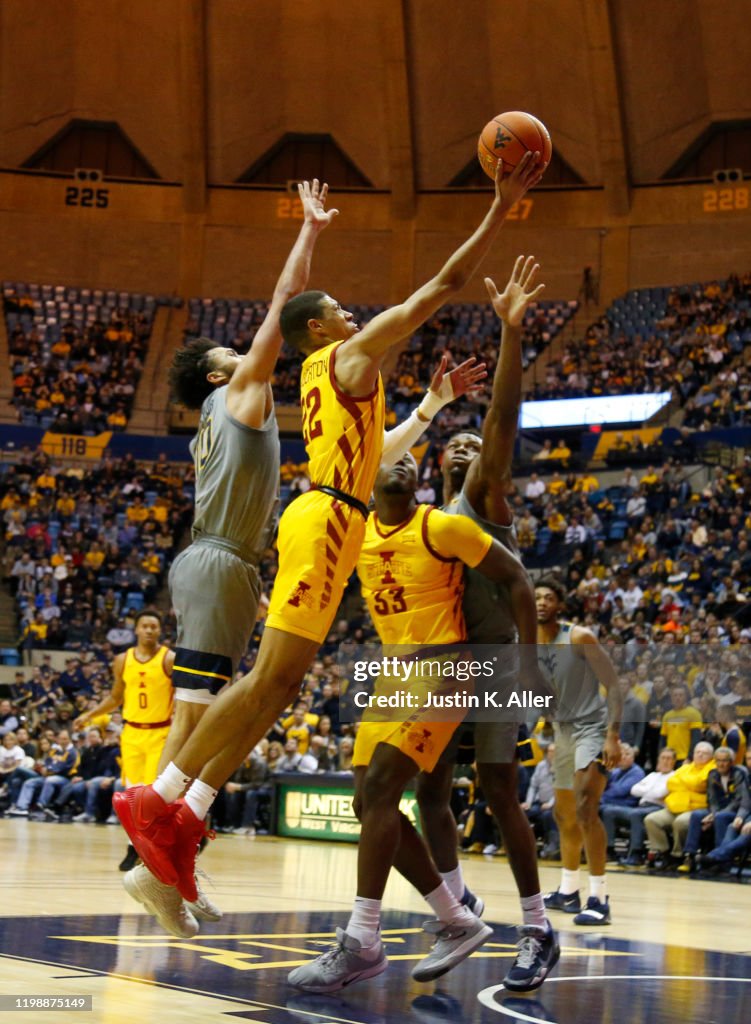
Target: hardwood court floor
[{"x": 677, "y": 950}]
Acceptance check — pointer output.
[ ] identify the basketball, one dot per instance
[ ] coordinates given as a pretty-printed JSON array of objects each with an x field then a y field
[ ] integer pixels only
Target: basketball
[{"x": 508, "y": 137}]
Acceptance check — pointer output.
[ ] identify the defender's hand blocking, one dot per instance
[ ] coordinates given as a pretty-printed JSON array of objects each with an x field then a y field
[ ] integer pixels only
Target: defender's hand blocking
[
  {"x": 463, "y": 378},
  {"x": 528, "y": 172},
  {"x": 511, "y": 304},
  {"x": 313, "y": 199}
]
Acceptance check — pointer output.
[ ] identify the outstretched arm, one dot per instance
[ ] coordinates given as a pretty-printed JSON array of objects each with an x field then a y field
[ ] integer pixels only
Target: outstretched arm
[
  {"x": 258, "y": 365},
  {"x": 489, "y": 476},
  {"x": 444, "y": 388},
  {"x": 357, "y": 363}
]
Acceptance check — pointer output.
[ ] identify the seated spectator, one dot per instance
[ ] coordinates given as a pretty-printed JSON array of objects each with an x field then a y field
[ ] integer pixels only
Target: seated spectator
[
  {"x": 247, "y": 789},
  {"x": 275, "y": 755},
  {"x": 329, "y": 759},
  {"x": 687, "y": 792},
  {"x": 346, "y": 752},
  {"x": 526, "y": 531},
  {"x": 587, "y": 484},
  {"x": 539, "y": 804},
  {"x": 728, "y": 798},
  {"x": 8, "y": 718},
  {"x": 545, "y": 452},
  {"x": 12, "y": 756},
  {"x": 617, "y": 793},
  {"x": 74, "y": 789},
  {"x": 561, "y": 452},
  {"x": 650, "y": 792},
  {"x": 294, "y": 761},
  {"x": 99, "y": 788},
  {"x": 535, "y": 487},
  {"x": 737, "y": 839},
  {"x": 575, "y": 533},
  {"x": 59, "y": 766}
]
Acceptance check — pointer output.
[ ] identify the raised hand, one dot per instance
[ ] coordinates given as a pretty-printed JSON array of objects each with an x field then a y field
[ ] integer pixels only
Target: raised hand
[
  {"x": 527, "y": 173},
  {"x": 313, "y": 199},
  {"x": 463, "y": 378},
  {"x": 512, "y": 302}
]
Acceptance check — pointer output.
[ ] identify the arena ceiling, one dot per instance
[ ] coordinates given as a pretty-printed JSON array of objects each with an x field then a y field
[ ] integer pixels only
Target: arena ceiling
[{"x": 204, "y": 90}]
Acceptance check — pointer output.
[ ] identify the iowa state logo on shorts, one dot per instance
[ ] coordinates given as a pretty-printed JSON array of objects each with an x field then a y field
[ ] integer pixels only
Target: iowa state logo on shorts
[{"x": 300, "y": 596}]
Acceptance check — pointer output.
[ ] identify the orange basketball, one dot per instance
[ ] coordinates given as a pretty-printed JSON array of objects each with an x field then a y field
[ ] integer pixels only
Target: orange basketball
[{"x": 508, "y": 137}]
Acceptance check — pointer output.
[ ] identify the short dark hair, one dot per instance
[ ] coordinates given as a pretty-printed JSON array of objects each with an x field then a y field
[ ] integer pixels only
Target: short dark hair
[
  {"x": 150, "y": 613},
  {"x": 467, "y": 430},
  {"x": 187, "y": 374},
  {"x": 554, "y": 584},
  {"x": 293, "y": 320}
]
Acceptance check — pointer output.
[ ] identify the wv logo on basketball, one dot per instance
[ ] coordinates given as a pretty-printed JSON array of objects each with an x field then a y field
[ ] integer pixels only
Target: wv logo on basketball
[
  {"x": 501, "y": 139},
  {"x": 301, "y": 596}
]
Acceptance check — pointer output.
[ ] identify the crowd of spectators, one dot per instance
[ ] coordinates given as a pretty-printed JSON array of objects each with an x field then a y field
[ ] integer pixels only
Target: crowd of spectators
[
  {"x": 78, "y": 376},
  {"x": 697, "y": 332},
  {"x": 724, "y": 402},
  {"x": 83, "y": 548},
  {"x": 463, "y": 330}
]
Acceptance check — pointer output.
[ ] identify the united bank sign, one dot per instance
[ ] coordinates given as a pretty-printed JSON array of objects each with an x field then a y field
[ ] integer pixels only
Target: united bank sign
[{"x": 325, "y": 813}]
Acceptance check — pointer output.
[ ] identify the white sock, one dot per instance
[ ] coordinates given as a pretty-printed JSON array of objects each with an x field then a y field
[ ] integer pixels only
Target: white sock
[
  {"x": 455, "y": 881},
  {"x": 597, "y": 887},
  {"x": 172, "y": 783},
  {"x": 533, "y": 910},
  {"x": 569, "y": 882},
  {"x": 199, "y": 798},
  {"x": 364, "y": 922},
  {"x": 447, "y": 907}
]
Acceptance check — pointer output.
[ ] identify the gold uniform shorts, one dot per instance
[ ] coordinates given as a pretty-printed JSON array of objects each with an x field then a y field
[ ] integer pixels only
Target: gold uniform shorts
[
  {"x": 140, "y": 750},
  {"x": 319, "y": 543}
]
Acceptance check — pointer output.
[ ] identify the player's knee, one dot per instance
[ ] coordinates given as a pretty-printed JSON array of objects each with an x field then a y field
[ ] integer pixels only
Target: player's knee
[
  {"x": 380, "y": 789},
  {"x": 431, "y": 797},
  {"x": 499, "y": 785},
  {"x": 587, "y": 807},
  {"x": 565, "y": 816}
]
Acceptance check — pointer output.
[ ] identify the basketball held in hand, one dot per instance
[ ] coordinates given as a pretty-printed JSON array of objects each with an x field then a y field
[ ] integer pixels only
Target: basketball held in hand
[{"x": 508, "y": 137}]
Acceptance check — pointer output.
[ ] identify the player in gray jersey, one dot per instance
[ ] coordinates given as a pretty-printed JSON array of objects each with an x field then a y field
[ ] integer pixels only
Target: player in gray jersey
[
  {"x": 476, "y": 482},
  {"x": 587, "y": 746},
  {"x": 214, "y": 584}
]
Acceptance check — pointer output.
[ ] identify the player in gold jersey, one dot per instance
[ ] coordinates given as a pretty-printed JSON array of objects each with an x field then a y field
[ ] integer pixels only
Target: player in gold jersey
[
  {"x": 143, "y": 688},
  {"x": 320, "y": 536},
  {"x": 411, "y": 569}
]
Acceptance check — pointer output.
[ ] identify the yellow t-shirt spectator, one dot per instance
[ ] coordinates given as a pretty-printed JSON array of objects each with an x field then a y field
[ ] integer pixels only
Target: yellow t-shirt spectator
[
  {"x": 302, "y": 734},
  {"x": 677, "y": 726},
  {"x": 94, "y": 559},
  {"x": 137, "y": 513},
  {"x": 116, "y": 419},
  {"x": 587, "y": 484}
]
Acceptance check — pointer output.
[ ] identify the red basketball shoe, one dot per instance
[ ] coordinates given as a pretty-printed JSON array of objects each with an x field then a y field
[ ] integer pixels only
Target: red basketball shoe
[
  {"x": 149, "y": 822},
  {"x": 188, "y": 832}
]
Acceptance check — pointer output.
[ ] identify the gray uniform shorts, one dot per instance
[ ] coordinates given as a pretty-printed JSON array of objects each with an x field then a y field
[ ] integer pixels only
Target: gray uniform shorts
[
  {"x": 490, "y": 736},
  {"x": 215, "y": 595},
  {"x": 577, "y": 745}
]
